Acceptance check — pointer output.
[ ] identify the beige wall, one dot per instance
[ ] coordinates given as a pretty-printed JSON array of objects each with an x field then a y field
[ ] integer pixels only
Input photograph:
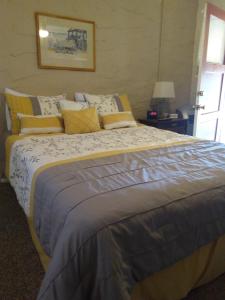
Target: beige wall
[
  {"x": 178, "y": 33},
  {"x": 127, "y": 47}
]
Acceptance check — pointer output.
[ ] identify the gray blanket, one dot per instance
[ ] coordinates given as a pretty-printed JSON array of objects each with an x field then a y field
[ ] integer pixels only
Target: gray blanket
[{"x": 111, "y": 222}]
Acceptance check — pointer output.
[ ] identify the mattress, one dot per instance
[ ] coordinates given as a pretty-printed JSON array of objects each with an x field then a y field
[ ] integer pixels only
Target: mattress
[{"x": 143, "y": 184}]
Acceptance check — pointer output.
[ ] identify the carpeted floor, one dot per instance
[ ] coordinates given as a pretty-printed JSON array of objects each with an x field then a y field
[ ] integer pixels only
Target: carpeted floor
[{"x": 20, "y": 269}]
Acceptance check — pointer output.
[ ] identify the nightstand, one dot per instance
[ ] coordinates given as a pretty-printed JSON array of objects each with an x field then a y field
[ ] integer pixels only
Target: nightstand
[{"x": 176, "y": 125}]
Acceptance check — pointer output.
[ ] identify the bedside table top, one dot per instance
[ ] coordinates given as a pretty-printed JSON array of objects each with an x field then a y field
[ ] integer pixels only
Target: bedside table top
[
  {"x": 163, "y": 122},
  {"x": 155, "y": 121}
]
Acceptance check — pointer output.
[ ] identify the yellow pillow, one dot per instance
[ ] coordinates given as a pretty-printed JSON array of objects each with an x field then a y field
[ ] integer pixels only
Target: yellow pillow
[
  {"x": 82, "y": 121},
  {"x": 118, "y": 120},
  {"x": 125, "y": 103},
  {"x": 40, "y": 124},
  {"x": 17, "y": 105}
]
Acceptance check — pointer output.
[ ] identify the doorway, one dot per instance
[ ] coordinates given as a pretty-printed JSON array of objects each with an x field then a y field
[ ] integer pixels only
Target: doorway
[{"x": 210, "y": 101}]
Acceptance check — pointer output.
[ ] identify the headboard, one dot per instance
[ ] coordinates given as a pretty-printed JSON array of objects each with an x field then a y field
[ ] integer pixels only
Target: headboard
[{"x": 3, "y": 135}]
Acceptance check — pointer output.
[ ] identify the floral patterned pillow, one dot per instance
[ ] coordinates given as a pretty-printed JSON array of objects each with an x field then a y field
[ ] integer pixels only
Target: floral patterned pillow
[
  {"x": 49, "y": 105},
  {"x": 103, "y": 103}
]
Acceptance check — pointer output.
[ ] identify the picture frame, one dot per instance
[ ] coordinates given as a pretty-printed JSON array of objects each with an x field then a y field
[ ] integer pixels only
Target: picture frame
[{"x": 65, "y": 43}]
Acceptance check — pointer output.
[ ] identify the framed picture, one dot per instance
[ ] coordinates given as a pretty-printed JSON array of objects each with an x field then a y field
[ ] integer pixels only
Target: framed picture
[{"x": 65, "y": 43}]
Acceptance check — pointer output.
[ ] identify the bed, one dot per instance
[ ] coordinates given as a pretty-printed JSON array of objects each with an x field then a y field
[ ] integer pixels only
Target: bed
[{"x": 134, "y": 213}]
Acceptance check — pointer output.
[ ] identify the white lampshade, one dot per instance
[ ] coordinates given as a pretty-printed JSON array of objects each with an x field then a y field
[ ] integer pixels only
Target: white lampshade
[{"x": 164, "y": 89}]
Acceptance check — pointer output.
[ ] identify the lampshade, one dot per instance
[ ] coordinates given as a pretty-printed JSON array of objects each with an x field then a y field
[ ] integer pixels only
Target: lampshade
[{"x": 164, "y": 89}]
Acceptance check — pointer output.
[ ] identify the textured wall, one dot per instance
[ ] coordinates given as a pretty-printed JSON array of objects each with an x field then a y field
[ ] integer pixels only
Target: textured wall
[
  {"x": 178, "y": 32},
  {"x": 127, "y": 47}
]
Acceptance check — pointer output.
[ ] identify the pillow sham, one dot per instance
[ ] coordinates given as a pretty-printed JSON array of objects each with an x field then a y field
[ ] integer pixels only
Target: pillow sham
[
  {"x": 122, "y": 101},
  {"x": 7, "y": 114},
  {"x": 17, "y": 105},
  {"x": 40, "y": 124},
  {"x": 80, "y": 97},
  {"x": 82, "y": 121},
  {"x": 103, "y": 103},
  {"x": 118, "y": 120},
  {"x": 49, "y": 105},
  {"x": 31, "y": 105},
  {"x": 72, "y": 105}
]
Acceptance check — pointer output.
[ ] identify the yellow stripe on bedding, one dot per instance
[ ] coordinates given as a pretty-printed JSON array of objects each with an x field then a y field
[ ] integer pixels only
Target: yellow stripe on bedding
[
  {"x": 17, "y": 105},
  {"x": 125, "y": 102},
  {"x": 118, "y": 120},
  {"x": 40, "y": 124}
]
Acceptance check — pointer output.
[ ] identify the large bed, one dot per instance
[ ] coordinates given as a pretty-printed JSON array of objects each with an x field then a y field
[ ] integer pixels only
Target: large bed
[{"x": 133, "y": 213}]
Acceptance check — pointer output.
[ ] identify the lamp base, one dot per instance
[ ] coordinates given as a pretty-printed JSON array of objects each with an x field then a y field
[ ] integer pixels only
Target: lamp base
[{"x": 162, "y": 106}]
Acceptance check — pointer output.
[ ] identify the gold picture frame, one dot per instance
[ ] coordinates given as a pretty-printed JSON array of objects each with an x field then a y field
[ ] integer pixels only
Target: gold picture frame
[{"x": 65, "y": 43}]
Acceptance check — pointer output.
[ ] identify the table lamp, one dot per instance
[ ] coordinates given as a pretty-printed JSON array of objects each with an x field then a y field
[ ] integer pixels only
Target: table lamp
[{"x": 162, "y": 94}]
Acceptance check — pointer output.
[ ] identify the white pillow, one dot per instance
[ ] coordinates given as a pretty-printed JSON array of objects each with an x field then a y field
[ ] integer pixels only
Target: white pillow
[
  {"x": 71, "y": 105},
  {"x": 103, "y": 103},
  {"x": 80, "y": 97},
  {"x": 7, "y": 114},
  {"x": 49, "y": 105}
]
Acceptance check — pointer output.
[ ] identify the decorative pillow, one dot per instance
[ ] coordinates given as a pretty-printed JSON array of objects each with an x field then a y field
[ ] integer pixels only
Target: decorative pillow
[
  {"x": 82, "y": 121},
  {"x": 103, "y": 103},
  {"x": 71, "y": 105},
  {"x": 7, "y": 114},
  {"x": 49, "y": 105},
  {"x": 18, "y": 105},
  {"x": 40, "y": 105},
  {"x": 80, "y": 97},
  {"x": 122, "y": 101},
  {"x": 118, "y": 120},
  {"x": 40, "y": 124}
]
